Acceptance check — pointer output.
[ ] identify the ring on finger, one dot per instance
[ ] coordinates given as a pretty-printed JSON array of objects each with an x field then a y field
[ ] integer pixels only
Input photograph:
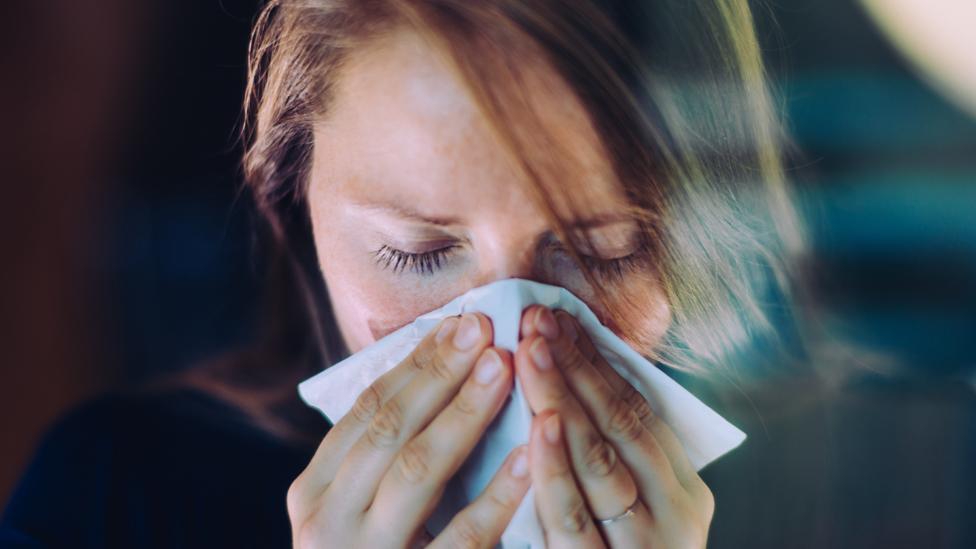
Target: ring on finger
[{"x": 629, "y": 512}]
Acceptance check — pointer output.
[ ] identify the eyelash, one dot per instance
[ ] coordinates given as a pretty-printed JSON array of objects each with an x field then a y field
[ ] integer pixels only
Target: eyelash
[
  {"x": 426, "y": 263},
  {"x": 421, "y": 263}
]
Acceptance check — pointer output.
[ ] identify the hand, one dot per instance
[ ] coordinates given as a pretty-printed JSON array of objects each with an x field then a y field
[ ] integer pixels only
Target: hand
[
  {"x": 381, "y": 469},
  {"x": 607, "y": 448}
]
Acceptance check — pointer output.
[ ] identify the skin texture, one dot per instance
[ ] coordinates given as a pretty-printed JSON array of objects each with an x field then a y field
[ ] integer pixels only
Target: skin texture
[{"x": 402, "y": 131}]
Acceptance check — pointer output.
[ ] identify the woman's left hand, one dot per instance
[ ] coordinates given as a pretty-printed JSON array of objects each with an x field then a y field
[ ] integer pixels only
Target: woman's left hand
[{"x": 606, "y": 452}]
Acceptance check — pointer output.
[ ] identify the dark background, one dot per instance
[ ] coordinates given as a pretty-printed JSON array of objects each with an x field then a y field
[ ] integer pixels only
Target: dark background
[{"x": 127, "y": 243}]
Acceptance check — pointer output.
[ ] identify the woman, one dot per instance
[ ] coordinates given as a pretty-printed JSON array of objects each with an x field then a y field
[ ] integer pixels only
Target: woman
[{"x": 405, "y": 151}]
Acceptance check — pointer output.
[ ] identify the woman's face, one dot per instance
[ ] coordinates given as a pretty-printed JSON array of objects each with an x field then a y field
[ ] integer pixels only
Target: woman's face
[{"x": 405, "y": 164}]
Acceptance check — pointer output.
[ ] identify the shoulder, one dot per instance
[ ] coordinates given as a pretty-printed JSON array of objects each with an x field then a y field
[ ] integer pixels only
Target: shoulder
[{"x": 166, "y": 468}]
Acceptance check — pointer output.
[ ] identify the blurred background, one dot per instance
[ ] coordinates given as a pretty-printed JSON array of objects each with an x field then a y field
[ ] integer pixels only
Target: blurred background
[{"x": 128, "y": 251}]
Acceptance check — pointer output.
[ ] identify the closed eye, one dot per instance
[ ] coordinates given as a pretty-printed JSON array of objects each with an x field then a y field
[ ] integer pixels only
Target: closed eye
[{"x": 427, "y": 263}]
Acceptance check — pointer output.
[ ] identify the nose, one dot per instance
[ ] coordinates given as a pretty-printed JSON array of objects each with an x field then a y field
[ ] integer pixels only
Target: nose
[{"x": 515, "y": 257}]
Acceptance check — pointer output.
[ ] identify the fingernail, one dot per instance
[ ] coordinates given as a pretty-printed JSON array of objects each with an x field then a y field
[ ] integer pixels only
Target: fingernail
[
  {"x": 447, "y": 326},
  {"x": 546, "y": 323},
  {"x": 488, "y": 367},
  {"x": 540, "y": 355},
  {"x": 468, "y": 332},
  {"x": 567, "y": 325},
  {"x": 551, "y": 428},
  {"x": 520, "y": 466}
]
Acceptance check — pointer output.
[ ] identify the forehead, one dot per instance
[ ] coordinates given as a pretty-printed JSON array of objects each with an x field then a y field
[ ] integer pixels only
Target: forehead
[{"x": 402, "y": 123}]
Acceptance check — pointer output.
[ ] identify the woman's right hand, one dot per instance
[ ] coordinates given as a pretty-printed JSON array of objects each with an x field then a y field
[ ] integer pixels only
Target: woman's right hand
[{"x": 380, "y": 470}]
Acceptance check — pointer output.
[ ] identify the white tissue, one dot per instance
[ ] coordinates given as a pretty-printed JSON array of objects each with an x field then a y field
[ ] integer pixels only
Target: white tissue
[{"x": 704, "y": 434}]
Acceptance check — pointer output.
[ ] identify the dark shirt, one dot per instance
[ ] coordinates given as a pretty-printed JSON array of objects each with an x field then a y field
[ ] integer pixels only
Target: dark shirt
[
  {"x": 172, "y": 469},
  {"x": 879, "y": 465}
]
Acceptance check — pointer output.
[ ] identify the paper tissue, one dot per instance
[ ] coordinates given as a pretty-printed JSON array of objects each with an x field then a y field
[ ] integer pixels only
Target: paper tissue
[{"x": 704, "y": 434}]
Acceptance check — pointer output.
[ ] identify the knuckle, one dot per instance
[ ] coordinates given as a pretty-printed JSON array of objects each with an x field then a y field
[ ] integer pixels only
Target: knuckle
[
  {"x": 623, "y": 422},
  {"x": 440, "y": 369},
  {"x": 600, "y": 458},
  {"x": 573, "y": 361},
  {"x": 384, "y": 429},
  {"x": 413, "y": 461},
  {"x": 295, "y": 497},
  {"x": 465, "y": 404},
  {"x": 708, "y": 499},
  {"x": 645, "y": 414},
  {"x": 577, "y": 517},
  {"x": 501, "y": 501},
  {"x": 630, "y": 395},
  {"x": 638, "y": 404},
  {"x": 466, "y": 533},
  {"x": 415, "y": 362},
  {"x": 367, "y": 404}
]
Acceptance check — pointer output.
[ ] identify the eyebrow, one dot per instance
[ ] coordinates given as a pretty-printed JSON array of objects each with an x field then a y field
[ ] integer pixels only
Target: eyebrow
[
  {"x": 593, "y": 222},
  {"x": 407, "y": 213}
]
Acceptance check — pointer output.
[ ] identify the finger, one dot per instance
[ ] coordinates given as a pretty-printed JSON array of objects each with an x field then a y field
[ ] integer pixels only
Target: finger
[
  {"x": 569, "y": 338},
  {"x": 421, "y": 539},
  {"x": 647, "y": 464},
  {"x": 629, "y": 529},
  {"x": 482, "y": 523},
  {"x": 606, "y": 483},
  {"x": 596, "y": 398},
  {"x": 322, "y": 468},
  {"x": 409, "y": 410},
  {"x": 562, "y": 509},
  {"x": 425, "y": 463},
  {"x": 534, "y": 321}
]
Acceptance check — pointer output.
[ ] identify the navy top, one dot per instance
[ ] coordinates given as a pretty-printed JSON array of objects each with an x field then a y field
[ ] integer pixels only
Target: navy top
[{"x": 172, "y": 469}]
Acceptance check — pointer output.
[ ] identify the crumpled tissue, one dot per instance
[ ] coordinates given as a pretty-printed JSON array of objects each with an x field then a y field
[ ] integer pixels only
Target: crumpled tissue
[{"x": 704, "y": 434}]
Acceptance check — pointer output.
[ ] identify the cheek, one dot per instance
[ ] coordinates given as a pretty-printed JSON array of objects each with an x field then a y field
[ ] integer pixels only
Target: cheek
[
  {"x": 366, "y": 306},
  {"x": 384, "y": 312},
  {"x": 369, "y": 303},
  {"x": 642, "y": 311},
  {"x": 385, "y": 309}
]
